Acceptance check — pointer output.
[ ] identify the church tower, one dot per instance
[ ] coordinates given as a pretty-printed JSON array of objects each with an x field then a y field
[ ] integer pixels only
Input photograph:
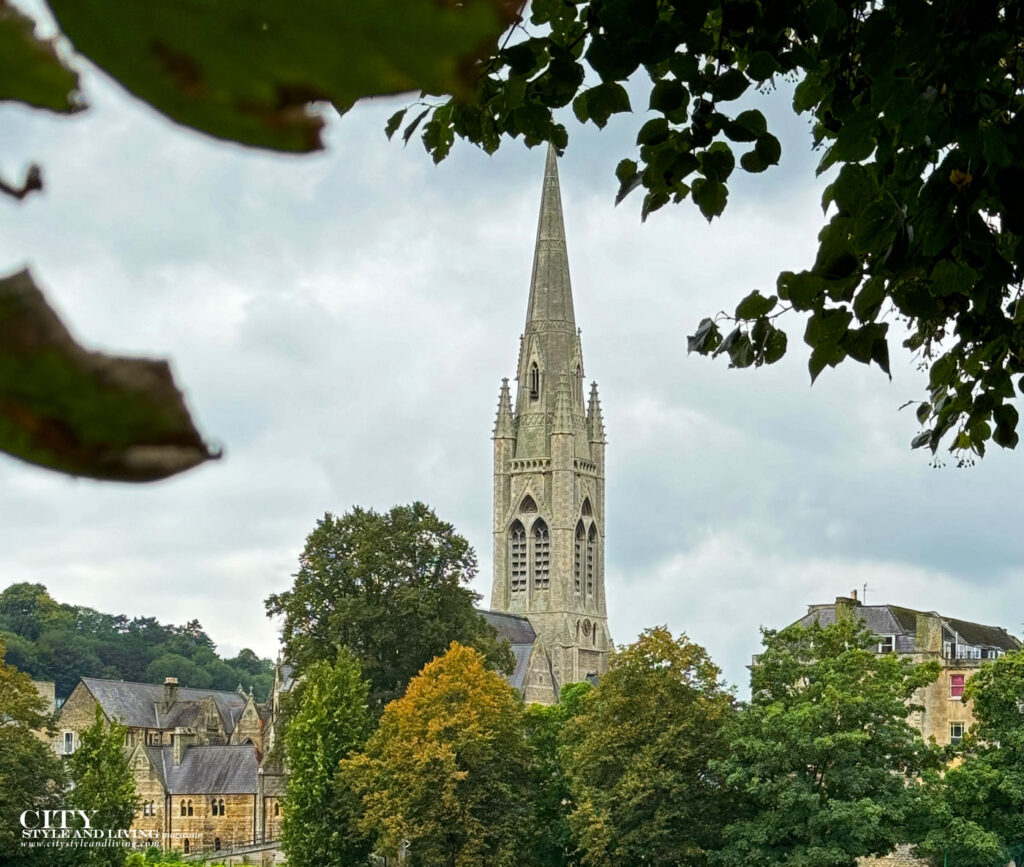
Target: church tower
[{"x": 549, "y": 471}]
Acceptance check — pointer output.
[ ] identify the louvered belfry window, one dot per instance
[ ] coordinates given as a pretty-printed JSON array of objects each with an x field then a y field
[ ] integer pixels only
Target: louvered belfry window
[
  {"x": 541, "y": 556},
  {"x": 517, "y": 557}
]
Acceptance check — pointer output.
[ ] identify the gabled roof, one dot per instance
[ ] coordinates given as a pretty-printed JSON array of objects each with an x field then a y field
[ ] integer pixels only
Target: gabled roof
[
  {"x": 138, "y": 704},
  {"x": 220, "y": 770},
  {"x": 520, "y": 636},
  {"x": 896, "y": 620}
]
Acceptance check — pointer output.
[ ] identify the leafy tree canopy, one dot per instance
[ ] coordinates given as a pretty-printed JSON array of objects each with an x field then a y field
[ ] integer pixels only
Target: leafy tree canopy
[
  {"x": 915, "y": 106},
  {"x": 979, "y": 818},
  {"x": 443, "y": 774},
  {"x": 637, "y": 756},
  {"x": 823, "y": 765},
  {"x": 54, "y": 641},
  {"x": 102, "y": 781},
  {"x": 391, "y": 587},
  {"x": 31, "y": 775},
  {"x": 327, "y": 722}
]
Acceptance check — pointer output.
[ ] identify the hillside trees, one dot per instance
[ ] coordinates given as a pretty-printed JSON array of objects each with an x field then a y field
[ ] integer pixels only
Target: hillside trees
[
  {"x": 915, "y": 106},
  {"x": 54, "y": 641},
  {"x": 31, "y": 775},
  {"x": 443, "y": 775},
  {"x": 823, "y": 764},
  {"x": 391, "y": 587},
  {"x": 637, "y": 756},
  {"x": 327, "y": 722}
]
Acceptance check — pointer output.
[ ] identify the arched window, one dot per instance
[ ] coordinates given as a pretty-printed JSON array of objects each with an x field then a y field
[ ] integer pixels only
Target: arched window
[
  {"x": 541, "y": 556},
  {"x": 185, "y": 847},
  {"x": 534, "y": 381},
  {"x": 591, "y": 556},
  {"x": 586, "y": 511},
  {"x": 578, "y": 561},
  {"x": 220, "y": 804},
  {"x": 277, "y": 808},
  {"x": 528, "y": 504},
  {"x": 517, "y": 557},
  {"x": 216, "y": 844},
  {"x": 183, "y": 813},
  {"x": 190, "y": 808}
]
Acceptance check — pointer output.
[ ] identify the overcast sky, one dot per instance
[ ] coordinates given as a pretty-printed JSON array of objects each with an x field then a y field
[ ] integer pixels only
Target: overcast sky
[{"x": 341, "y": 324}]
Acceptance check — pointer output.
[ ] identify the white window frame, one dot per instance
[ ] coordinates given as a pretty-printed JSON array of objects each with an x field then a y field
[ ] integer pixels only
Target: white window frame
[
  {"x": 890, "y": 639},
  {"x": 963, "y": 731},
  {"x": 68, "y": 746}
]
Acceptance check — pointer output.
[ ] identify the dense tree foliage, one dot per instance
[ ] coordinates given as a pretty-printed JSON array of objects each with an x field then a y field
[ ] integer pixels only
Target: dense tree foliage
[
  {"x": 637, "y": 756},
  {"x": 155, "y": 857},
  {"x": 915, "y": 104},
  {"x": 979, "y": 816},
  {"x": 102, "y": 785},
  {"x": 31, "y": 776},
  {"x": 546, "y": 837},
  {"x": 392, "y": 588},
  {"x": 54, "y": 641},
  {"x": 443, "y": 775},
  {"x": 823, "y": 764},
  {"x": 327, "y": 721}
]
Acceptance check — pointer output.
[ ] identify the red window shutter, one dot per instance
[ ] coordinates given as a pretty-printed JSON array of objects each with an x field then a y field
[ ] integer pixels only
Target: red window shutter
[{"x": 956, "y": 686}]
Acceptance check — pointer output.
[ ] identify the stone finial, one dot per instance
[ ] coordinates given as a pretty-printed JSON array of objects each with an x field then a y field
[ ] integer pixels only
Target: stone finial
[
  {"x": 595, "y": 418},
  {"x": 503, "y": 422},
  {"x": 563, "y": 407}
]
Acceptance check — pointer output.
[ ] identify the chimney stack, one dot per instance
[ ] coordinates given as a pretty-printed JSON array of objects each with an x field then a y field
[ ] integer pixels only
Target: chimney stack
[{"x": 170, "y": 690}]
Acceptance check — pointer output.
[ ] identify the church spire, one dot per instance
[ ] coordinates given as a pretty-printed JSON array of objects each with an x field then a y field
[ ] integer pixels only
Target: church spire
[
  {"x": 503, "y": 422},
  {"x": 550, "y": 305},
  {"x": 595, "y": 419}
]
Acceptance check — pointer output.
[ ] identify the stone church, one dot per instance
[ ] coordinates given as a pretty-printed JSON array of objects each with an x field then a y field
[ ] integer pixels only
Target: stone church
[{"x": 549, "y": 446}]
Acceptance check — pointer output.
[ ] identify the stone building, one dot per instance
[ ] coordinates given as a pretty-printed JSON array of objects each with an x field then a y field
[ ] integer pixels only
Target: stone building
[
  {"x": 549, "y": 476},
  {"x": 959, "y": 645},
  {"x": 206, "y": 775}
]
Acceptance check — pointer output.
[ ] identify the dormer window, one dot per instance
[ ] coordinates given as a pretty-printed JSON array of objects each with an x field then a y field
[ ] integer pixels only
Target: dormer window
[
  {"x": 534, "y": 381},
  {"x": 887, "y": 644}
]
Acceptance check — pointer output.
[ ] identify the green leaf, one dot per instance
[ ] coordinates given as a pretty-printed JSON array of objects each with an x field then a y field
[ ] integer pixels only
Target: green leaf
[
  {"x": 394, "y": 122},
  {"x": 705, "y": 339},
  {"x": 30, "y": 70},
  {"x": 868, "y": 301},
  {"x": 952, "y": 278},
  {"x": 629, "y": 179},
  {"x": 762, "y": 66},
  {"x": 768, "y": 149},
  {"x": 710, "y": 196},
  {"x": 808, "y": 94},
  {"x": 606, "y": 99},
  {"x": 668, "y": 96},
  {"x": 774, "y": 346},
  {"x": 921, "y": 440},
  {"x": 730, "y": 85},
  {"x": 752, "y": 162},
  {"x": 415, "y": 122},
  {"x": 82, "y": 412},
  {"x": 653, "y": 132},
  {"x": 755, "y": 305},
  {"x": 717, "y": 162},
  {"x": 802, "y": 290},
  {"x": 1006, "y": 418},
  {"x": 247, "y": 70}
]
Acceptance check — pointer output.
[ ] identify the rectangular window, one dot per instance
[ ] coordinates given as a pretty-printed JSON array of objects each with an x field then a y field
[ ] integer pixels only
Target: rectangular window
[
  {"x": 956, "y": 732},
  {"x": 69, "y": 743},
  {"x": 956, "y": 686},
  {"x": 887, "y": 644}
]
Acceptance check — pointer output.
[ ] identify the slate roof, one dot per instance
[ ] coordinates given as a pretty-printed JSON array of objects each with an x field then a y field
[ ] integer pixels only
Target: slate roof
[
  {"x": 137, "y": 704},
  {"x": 520, "y": 636},
  {"x": 220, "y": 770},
  {"x": 896, "y": 620}
]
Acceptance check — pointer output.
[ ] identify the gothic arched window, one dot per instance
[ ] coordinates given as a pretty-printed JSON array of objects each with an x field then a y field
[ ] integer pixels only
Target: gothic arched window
[
  {"x": 591, "y": 556},
  {"x": 183, "y": 813},
  {"x": 185, "y": 847},
  {"x": 528, "y": 504},
  {"x": 277, "y": 808},
  {"x": 534, "y": 381},
  {"x": 541, "y": 556},
  {"x": 220, "y": 806},
  {"x": 586, "y": 511},
  {"x": 190, "y": 808},
  {"x": 578, "y": 561},
  {"x": 517, "y": 557}
]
